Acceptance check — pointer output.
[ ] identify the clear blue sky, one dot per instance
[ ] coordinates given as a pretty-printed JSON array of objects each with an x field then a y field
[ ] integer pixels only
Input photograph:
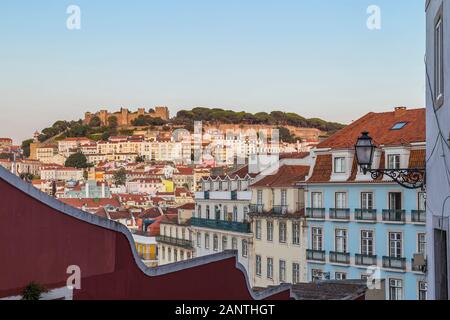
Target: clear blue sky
[{"x": 316, "y": 58}]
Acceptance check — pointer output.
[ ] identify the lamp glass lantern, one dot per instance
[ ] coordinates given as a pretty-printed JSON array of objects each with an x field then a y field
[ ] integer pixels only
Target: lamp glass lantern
[{"x": 365, "y": 150}]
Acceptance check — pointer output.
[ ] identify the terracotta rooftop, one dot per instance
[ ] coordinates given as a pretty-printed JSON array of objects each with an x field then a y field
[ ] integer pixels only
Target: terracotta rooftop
[
  {"x": 380, "y": 128},
  {"x": 322, "y": 169},
  {"x": 286, "y": 176}
]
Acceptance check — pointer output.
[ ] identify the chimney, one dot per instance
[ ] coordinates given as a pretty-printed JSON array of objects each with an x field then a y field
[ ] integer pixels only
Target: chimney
[{"x": 399, "y": 111}]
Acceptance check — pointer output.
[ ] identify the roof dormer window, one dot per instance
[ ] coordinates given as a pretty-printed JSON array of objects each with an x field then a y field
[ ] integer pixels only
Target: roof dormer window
[
  {"x": 399, "y": 125},
  {"x": 339, "y": 165}
]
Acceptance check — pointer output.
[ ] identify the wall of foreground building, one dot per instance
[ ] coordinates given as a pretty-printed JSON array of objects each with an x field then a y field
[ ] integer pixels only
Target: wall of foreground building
[
  {"x": 41, "y": 237},
  {"x": 438, "y": 156}
]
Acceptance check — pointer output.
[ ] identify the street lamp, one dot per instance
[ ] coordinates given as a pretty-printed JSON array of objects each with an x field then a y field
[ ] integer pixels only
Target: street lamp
[{"x": 411, "y": 178}]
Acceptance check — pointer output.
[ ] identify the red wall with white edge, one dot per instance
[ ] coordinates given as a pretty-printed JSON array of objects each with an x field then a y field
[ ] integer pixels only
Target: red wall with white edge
[{"x": 38, "y": 243}]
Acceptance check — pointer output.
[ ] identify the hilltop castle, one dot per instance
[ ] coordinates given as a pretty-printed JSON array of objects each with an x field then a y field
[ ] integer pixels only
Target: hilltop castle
[{"x": 125, "y": 117}]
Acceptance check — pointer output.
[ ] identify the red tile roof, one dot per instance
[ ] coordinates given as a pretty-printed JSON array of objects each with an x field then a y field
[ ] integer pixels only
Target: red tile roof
[
  {"x": 417, "y": 159},
  {"x": 286, "y": 176},
  {"x": 90, "y": 203},
  {"x": 379, "y": 126},
  {"x": 322, "y": 169}
]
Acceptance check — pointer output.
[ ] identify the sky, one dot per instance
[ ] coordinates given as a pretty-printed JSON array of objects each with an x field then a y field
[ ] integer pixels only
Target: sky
[{"x": 315, "y": 58}]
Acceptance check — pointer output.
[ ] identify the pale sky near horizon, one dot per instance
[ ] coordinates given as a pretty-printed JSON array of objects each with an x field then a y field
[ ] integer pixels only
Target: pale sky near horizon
[{"x": 315, "y": 58}]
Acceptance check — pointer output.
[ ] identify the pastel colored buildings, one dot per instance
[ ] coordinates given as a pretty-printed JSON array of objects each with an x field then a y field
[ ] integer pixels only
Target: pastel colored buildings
[{"x": 358, "y": 225}]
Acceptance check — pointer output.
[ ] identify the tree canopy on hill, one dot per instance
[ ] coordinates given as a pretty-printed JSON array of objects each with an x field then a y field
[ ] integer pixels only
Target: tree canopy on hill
[
  {"x": 77, "y": 160},
  {"x": 278, "y": 118}
]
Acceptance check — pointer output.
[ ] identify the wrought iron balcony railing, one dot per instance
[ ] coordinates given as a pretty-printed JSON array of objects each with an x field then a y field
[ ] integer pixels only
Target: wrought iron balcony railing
[
  {"x": 394, "y": 263},
  {"x": 315, "y": 213},
  {"x": 175, "y": 242},
  {"x": 243, "y": 227},
  {"x": 418, "y": 216},
  {"x": 256, "y": 208},
  {"x": 315, "y": 255},
  {"x": 366, "y": 214},
  {"x": 394, "y": 215},
  {"x": 282, "y": 209},
  {"x": 365, "y": 260},
  {"x": 339, "y": 214},
  {"x": 340, "y": 257}
]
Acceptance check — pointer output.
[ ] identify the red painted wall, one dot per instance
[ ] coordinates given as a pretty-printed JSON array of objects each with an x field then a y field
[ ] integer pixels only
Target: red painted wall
[{"x": 38, "y": 243}]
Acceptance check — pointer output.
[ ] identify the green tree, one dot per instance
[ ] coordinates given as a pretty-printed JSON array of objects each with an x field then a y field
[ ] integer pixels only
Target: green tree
[
  {"x": 26, "y": 147},
  {"x": 95, "y": 122},
  {"x": 77, "y": 160},
  {"x": 286, "y": 136},
  {"x": 120, "y": 177},
  {"x": 33, "y": 292}
]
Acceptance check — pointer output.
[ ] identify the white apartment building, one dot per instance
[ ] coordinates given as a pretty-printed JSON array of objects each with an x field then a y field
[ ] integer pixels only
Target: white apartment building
[
  {"x": 61, "y": 173},
  {"x": 175, "y": 242},
  {"x": 279, "y": 227},
  {"x": 221, "y": 220}
]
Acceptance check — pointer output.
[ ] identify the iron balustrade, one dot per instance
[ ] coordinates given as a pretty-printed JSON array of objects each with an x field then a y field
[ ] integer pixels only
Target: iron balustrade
[
  {"x": 394, "y": 263},
  {"x": 243, "y": 227},
  {"x": 282, "y": 209},
  {"x": 365, "y": 260},
  {"x": 339, "y": 214},
  {"x": 256, "y": 208},
  {"x": 315, "y": 213},
  {"x": 340, "y": 257},
  {"x": 175, "y": 242},
  {"x": 366, "y": 214},
  {"x": 315, "y": 255},
  {"x": 418, "y": 216},
  {"x": 394, "y": 215}
]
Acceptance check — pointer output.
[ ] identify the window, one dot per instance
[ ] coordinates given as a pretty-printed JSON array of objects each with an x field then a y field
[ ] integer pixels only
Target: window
[
  {"x": 422, "y": 290},
  {"x": 341, "y": 200},
  {"x": 258, "y": 265},
  {"x": 259, "y": 196},
  {"x": 164, "y": 253},
  {"x": 421, "y": 206},
  {"x": 235, "y": 214},
  {"x": 316, "y": 275},
  {"x": 199, "y": 240},
  {"x": 175, "y": 255},
  {"x": 269, "y": 230},
  {"x": 169, "y": 254},
  {"x": 282, "y": 271},
  {"x": 367, "y": 200},
  {"x": 283, "y": 197},
  {"x": 269, "y": 268},
  {"x": 395, "y": 244},
  {"x": 217, "y": 212},
  {"x": 439, "y": 62},
  {"x": 317, "y": 239},
  {"x": 258, "y": 229},
  {"x": 183, "y": 234},
  {"x": 395, "y": 289},
  {"x": 393, "y": 161},
  {"x": 215, "y": 242},
  {"x": 341, "y": 240},
  {"x": 399, "y": 125},
  {"x": 367, "y": 243},
  {"x": 244, "y": 248},
  {"x": 234, "y": 244},
  {"x": 282, "y": 232},
  {"x": 395, "y": 201},
  {"x": 421, "y": 243},
  {"x": 296, "y": 233},
  {"x": 340, "y": 276},
  {"x": 339, "y": 165},
  {"x": 224, "y": 243},
  {"x": 225, "y": 212},
  {"x": 199, "y": 211},
  {"x": 246, "y": 213},
  {"x": 207, "y": 213},
  {"x": 206, "y": 241},
  {"x": 316, "y": 200},
  {"x": 295, "y": 273}
]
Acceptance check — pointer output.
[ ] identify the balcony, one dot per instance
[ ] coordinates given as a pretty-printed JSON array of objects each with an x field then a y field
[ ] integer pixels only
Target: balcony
[
  {"x": 283, "y": 209},
  {"x": 366, "y": 214},
  {"x": 365, "y": 260},
  {"x": 256, "y": 208},
  {"x": 233, "y": 226},
  {"x": 394, "y": 263},
  {"x": 315, "y": 255},
  {"x": 418, "y": 268},
  {"x": 315, "y": 213},
  {"x": 418, "y": 216},
  {"x": 175, "y": 242},
  {"x": 339, "y": 214},
  {"x": 394, "y": 216},
  {"x": 339, "y": 257}
]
